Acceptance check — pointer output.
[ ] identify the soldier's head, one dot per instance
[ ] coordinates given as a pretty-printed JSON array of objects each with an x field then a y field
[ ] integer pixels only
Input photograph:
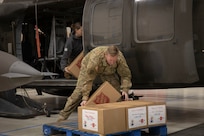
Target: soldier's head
[
  {"x": 111, "y": 54},
  {"x": 77, "y": 29}
]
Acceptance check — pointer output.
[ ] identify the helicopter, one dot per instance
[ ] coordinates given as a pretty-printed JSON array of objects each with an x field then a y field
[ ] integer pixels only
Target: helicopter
[{"x": 162, "y": 40}]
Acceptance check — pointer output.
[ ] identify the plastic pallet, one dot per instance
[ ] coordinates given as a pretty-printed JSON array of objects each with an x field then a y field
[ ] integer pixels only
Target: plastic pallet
[{"x": 70, "y": 128}]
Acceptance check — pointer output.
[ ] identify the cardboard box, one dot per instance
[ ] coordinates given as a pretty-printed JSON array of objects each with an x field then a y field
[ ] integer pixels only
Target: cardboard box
[
  {"x": 102, "y": 120},
  {"x": 156, "y": 114},
  {"x": 106, "y": 93},
  {"x": 75, "y": 66},
  {"x": 136, "y": 114},
  {"x": 141, "y": 114}
]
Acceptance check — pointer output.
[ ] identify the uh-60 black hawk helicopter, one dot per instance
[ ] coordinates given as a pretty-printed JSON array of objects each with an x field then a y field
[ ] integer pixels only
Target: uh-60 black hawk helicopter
[{"x": 162, "y": 40}]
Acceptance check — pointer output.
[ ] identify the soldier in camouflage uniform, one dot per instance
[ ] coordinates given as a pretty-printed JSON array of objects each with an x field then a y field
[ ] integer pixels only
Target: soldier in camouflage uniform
[{"x": 109, "y": 64}]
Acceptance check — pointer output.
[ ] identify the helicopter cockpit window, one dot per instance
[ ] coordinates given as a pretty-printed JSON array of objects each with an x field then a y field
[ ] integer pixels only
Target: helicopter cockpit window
[
  {"x": 153, "y": 20},
  {"x": 106, "y": 27}
]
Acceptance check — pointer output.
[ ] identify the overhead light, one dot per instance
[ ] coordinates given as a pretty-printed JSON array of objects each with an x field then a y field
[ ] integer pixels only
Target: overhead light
[{"x": 1, "y": 1}]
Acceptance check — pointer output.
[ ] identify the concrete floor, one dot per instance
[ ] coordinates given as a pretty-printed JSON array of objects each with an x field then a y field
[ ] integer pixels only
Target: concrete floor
[{"x": 185, "y": 108}]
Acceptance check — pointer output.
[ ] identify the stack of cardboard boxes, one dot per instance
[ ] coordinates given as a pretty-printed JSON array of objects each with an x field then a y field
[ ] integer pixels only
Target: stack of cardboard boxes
[
  {"x": 123, "y": 116},
  {"x": 103, "y": 115}
]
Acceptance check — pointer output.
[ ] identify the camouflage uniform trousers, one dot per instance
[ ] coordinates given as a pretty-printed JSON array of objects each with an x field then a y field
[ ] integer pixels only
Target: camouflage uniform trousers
[{"x": 76, "y": 97}]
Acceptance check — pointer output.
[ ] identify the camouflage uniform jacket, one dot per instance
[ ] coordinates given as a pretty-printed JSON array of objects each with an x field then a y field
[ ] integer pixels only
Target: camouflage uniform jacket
[{"x": 94, "y": 63}]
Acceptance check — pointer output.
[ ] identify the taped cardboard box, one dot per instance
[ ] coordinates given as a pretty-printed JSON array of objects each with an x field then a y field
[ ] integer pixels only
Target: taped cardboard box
[
  {"x": 136, "y": 113},
  {"x": 106, "y": 93},
  {"x": 102, "y": 120},
  {"x": 75, "y": 66},
  {"x": 156, "y": 112}
]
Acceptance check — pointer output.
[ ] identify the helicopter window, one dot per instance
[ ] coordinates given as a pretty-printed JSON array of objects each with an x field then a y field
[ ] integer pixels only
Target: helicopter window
[
  {"x": 153, "y": 20},
  {"x": 106, "y": 27}
]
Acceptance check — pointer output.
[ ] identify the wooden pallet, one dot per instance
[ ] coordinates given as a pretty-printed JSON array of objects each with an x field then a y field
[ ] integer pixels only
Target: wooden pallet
[{"x": 70, "y": 128}]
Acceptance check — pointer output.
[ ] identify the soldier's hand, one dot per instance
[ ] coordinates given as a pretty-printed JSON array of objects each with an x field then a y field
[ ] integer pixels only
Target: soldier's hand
[
  {"x": 83, "y": 103},
  {"x": 66, "y": 69},
  {"x": 126, "y": 96}
]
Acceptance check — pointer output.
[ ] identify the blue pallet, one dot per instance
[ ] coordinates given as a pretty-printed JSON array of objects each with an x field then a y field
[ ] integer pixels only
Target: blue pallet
[{"x": 70, "y": 129}]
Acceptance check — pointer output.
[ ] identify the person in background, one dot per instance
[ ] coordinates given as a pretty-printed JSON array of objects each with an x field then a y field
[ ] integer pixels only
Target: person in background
[
  {"x": 106, "y": 62},
  {"x": 73, "y": 47}
]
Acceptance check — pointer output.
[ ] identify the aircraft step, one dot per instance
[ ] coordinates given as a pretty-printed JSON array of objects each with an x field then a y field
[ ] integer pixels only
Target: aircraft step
[{"x": 70, "y": 128}]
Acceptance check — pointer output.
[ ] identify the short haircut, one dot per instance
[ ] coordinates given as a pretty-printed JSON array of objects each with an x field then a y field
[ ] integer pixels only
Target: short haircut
[
  {"x": 112, "y": 50},
  {"x": 76, "y": 25}
]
